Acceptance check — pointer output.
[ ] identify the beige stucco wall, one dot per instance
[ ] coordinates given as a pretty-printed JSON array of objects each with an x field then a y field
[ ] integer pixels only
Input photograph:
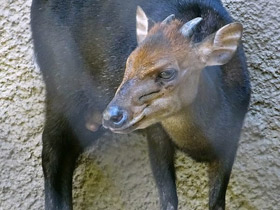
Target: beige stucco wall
[{"x": 115, "y": 173}]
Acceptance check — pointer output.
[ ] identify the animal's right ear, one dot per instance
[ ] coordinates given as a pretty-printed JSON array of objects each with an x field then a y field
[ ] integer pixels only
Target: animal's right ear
[
  {"x": 141, "y": 25},
  {"x": 219, "y": 48}
]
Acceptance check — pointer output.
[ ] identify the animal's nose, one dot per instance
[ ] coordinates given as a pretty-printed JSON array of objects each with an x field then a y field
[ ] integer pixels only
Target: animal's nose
[{"x": 115, "y": 117}]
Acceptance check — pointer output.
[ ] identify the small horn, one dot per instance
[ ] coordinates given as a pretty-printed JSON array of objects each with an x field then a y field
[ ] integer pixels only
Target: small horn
[
  {"x": 189, "y": 27},
  {"x": 168, "y": 19}
]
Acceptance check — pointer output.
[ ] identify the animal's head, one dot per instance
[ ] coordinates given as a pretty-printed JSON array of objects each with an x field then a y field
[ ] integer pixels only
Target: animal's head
[{"x": 162, "y": 73}]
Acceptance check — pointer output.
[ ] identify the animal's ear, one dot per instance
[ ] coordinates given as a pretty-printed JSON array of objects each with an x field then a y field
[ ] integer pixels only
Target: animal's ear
[
  {"x": 141, "y": 25},
  {"x": 219, "y": 48}
]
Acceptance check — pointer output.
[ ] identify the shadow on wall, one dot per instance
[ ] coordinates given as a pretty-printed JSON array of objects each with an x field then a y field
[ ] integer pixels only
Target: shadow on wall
[{"x": 115, "y": 174}]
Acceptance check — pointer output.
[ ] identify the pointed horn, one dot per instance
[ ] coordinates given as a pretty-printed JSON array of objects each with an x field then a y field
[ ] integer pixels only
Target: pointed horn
[
  {"x": 189, "y": 27},
  {"x": 168, "y": 19}
]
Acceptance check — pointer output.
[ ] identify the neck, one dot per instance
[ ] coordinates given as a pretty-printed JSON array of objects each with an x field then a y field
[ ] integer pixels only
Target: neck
[
  {"x": 197, "y": 116},
  {"x": 208, "y": 95}
]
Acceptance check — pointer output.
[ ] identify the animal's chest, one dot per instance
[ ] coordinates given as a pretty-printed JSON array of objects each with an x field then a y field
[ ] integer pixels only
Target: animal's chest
[{"x": 189, "y": 138}]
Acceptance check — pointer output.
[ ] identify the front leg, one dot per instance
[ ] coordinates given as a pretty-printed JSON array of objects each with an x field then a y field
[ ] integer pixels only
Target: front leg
[
  {"x": 161, "y": 152},
  {"x": 219, "y": 174},
  {"x": 59, "y": 156}
]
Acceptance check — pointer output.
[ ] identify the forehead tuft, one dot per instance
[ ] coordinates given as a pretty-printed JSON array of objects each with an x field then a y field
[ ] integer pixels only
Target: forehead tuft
[
  {"x": 155, "y": 48},
  {"x": 163, "y": 42}
]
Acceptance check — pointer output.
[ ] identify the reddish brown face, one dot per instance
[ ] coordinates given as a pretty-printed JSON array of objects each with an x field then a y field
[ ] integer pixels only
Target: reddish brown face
[
  {"x": 141, "y": 102},
  {"x": 162, "y": 73},
  {"x": 150, "y": 88}
]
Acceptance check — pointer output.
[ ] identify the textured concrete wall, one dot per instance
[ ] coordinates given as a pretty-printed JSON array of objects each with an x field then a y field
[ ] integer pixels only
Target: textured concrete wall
[{"x": 115, "y": 173}]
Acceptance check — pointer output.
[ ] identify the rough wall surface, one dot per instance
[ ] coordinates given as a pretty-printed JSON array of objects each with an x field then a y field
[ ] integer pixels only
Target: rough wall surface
[{"x": 115, "y": 173}]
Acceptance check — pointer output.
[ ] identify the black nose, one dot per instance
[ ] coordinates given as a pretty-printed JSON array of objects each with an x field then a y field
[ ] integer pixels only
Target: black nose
[{"x": 114, "y": 117}]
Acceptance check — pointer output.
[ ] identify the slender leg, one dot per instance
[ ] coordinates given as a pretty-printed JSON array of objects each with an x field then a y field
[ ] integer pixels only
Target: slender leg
[
  {"x": 219, "y": 175},
  {"x": 60, "y": 152},
  {"x": 161, "y": 152}
]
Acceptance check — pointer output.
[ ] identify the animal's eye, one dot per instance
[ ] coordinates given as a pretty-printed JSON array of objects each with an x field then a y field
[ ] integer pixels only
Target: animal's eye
[{"x": 167, "y": 74}]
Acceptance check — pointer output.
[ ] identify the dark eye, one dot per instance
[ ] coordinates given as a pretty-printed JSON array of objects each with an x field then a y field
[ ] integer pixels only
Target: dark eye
[{"x": 167, "y": 74}]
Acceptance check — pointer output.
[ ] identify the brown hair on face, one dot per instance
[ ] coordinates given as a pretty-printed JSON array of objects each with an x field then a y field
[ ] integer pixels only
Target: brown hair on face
[{"x": 163, "y": 42}]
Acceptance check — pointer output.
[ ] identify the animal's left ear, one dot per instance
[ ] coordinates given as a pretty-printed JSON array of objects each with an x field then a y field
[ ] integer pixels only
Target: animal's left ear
[
  {"x": 141, "y": 25},
  {"x": 219, "y": 48}
]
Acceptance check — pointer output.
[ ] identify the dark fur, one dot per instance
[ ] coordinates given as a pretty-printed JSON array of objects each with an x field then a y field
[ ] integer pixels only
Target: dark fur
[{"x": 81, "y": 48}]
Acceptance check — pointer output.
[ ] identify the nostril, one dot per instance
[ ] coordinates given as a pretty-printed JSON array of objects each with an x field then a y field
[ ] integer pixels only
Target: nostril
[{"x": 116, "y": 116}]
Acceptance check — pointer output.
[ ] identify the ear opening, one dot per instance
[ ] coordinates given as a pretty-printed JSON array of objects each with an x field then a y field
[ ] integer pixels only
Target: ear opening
[
  {"x": 141, "y": 25},
  {"x": 219, "y": 48}
]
